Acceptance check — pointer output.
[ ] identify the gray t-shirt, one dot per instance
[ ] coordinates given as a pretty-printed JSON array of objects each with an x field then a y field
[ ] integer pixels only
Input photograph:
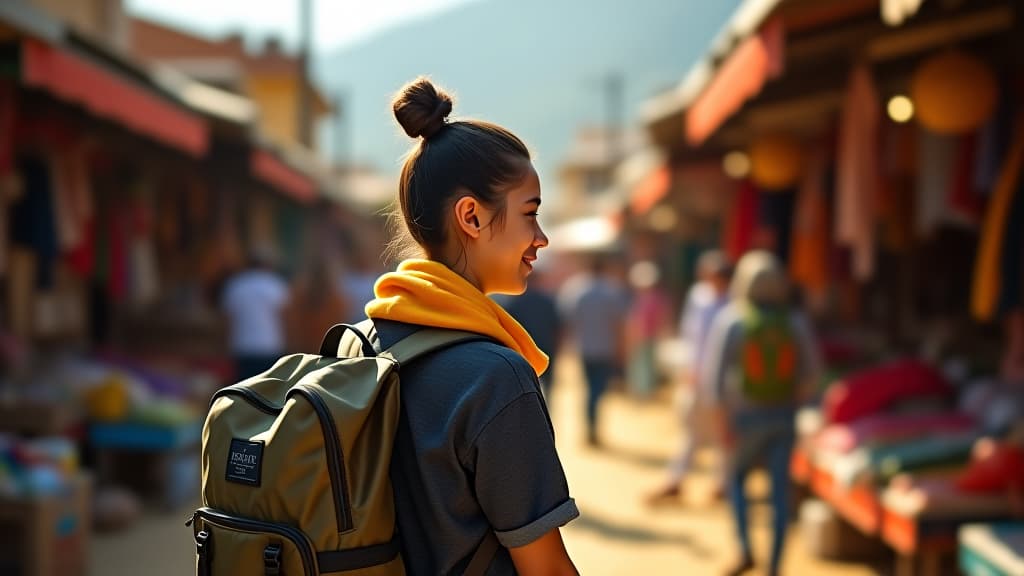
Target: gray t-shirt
[
  {"x": 595, "y": 309},
  {"x": 475, "y": 451}
]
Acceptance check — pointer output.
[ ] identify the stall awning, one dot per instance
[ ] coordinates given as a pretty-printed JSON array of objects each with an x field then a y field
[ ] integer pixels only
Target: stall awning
[
  {"x": 650, "y": 190},
  {"x": 740, "y": 77},
  {"x": 274, "y": 172},
  {"x": 105, "y": 94}
]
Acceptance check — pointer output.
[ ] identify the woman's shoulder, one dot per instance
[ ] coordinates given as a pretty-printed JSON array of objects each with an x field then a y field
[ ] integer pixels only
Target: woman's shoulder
[
  {"x": 481, "y": 360},
  {"x": 489, "y": 360}
]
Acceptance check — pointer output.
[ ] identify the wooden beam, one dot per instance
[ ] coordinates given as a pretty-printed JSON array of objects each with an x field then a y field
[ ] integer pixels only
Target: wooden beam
[
  {"x": 806, "y": 15},
  {"x": 912, "y": 40},
  {"x": 809, "y": 112}
]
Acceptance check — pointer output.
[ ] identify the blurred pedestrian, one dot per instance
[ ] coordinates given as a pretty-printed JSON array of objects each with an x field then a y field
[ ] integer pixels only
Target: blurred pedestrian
[
  {"x": 704, "y": 300},
  {"x": 647, "y": 323},
  {"x": 475, "y": 457},
  {"x": 316, "y": 304},
  {"x": 356, "y": 283},
  {"x": 761, "y": 362},
  {"x": 594, "y": 308},
  {"x": 537, "y": 311},
  {"x": 254, "y": 300}
]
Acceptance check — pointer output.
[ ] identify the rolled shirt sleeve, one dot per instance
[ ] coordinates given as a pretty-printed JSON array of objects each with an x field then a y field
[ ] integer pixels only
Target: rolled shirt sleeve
[{"x": 518, "y": 477}]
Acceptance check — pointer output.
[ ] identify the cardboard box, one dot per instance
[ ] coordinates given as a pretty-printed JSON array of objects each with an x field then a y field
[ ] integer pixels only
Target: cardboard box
[
  {"x": 827, "y": 535},
  {"x": 47, "y": 536}
]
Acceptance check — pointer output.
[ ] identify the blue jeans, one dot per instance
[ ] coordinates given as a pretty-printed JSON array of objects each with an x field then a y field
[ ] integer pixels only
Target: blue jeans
[
  {"x": 763, "y": 436},
  {"x": 597, "y": 373}
]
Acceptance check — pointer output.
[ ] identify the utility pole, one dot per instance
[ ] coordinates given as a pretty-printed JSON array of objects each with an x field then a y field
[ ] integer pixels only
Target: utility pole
[
  {"x": 342, "y": 154},
  {"x": 305, "y": 100},
  {"x": 614, "y": 117}
]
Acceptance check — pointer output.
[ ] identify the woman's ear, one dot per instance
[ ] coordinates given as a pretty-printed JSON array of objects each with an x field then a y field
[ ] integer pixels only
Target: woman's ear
[{"x": 467, "y": 216}]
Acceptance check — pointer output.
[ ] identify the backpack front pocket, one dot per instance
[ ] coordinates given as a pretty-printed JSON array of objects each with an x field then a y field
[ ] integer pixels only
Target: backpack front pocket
[{"x": 227, "y": 545}]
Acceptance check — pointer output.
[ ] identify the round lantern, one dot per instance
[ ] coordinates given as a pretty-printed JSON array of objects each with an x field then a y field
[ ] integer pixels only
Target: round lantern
[
  {"x": 776, "y": 161},
  {"x": 953, "y": 93}
]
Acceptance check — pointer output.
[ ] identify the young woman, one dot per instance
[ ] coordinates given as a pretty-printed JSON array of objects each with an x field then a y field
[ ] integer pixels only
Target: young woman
[{"x": 475, "y": 451}]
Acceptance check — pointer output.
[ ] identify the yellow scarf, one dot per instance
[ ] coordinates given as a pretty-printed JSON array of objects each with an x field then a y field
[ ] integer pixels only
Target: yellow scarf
[{"x": 429, "y": 293}]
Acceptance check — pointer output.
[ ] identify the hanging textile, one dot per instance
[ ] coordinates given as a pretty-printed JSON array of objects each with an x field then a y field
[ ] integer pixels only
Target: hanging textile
[
  {"x": 808, "y": 263},
  {"x": 964, "y": 203},
  {"x": 21, "y": 290},
  {"x": 739, "y": 229},
  {"x": 8, "y": 121},
  {"x": 987, "y": 276},
  {"x": 117, "y": 245},
  {"x": 936, "y": 158},
  {"x": 895, "y": 208},
  {"x": 33, "y": 221},
  {"x": 857, "y": 173}
]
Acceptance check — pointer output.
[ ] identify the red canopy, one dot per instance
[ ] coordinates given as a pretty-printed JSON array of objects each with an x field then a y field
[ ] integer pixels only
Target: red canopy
[
  {"x": 741, "y": 77},
  {"x": 276, "y": 173},
  {"x": 108, "y": 95}
]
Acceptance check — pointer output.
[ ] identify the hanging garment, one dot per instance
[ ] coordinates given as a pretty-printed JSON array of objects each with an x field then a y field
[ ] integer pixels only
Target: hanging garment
[
  {"x": 987, "y": 276},
  {"x": 8, "y": 122},
  {"x": 32, "y": 220},
  {"x": 739, "y": 230},
  {"x": 936, "y": 157},
  {"x": 21, "y": 288},
  {"x": 857, "y": 173},
  {"x": 145, "y": 278},
  {"x": 10, "y": 186},
  {"x": 810, "y": 242},
  {"x": 964, "y": 204}
]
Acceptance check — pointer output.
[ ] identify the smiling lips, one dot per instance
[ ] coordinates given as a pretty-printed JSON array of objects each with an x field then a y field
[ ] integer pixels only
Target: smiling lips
[{"x": 528, "y": 260}]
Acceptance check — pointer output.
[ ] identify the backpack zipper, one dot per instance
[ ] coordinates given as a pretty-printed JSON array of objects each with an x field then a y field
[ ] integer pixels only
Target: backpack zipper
[
  {"x": 258, "y": 526},
  {"x": 335, "y": 456},
  {"x": 249, "y": 396}
]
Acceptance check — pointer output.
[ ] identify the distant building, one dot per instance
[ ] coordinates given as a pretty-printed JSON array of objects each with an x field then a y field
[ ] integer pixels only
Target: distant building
[
  {"x": 271, "y": 78},
  {"x": 101, "y": 20}
]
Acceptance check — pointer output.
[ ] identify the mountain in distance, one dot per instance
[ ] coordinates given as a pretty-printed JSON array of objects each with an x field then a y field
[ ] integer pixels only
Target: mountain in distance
[{"x": 537, "y": 67}]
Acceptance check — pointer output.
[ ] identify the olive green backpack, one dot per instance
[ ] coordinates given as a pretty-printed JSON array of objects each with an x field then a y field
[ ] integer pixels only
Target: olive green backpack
[{"x": 295, "y": 463}]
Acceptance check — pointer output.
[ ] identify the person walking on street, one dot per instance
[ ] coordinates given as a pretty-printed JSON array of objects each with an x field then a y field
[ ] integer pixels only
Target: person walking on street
[
  {"x": 254, "y": 301},
  {"x": 537, "y": 311},
  {"x": 761, "y": 363},
  {"x": 595, "y": 308},
  {"x": 647, "y": 322},
  {"x": 704, "y": 300},
  {"x": 474, "y": 453}
]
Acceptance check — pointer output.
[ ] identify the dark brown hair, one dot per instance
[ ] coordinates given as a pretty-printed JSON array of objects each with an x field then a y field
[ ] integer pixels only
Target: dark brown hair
[{"x": 466, "y": 156}]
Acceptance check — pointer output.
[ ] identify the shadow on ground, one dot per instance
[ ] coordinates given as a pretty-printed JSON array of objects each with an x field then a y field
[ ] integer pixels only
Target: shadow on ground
[{"x": 589, "y": 521}]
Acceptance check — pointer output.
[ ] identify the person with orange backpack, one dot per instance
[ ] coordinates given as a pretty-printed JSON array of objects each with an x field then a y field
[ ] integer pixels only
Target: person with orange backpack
[{"x": 761, "y": 364}]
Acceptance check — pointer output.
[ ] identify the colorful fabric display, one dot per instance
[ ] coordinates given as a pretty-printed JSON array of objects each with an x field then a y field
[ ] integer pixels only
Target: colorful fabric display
[
  {"x": 880, "y": 429},
  {"x": 871, "y": 391}
]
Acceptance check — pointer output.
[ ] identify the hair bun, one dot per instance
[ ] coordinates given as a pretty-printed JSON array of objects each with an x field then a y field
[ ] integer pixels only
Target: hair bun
[{"x": 420, "y": 108}]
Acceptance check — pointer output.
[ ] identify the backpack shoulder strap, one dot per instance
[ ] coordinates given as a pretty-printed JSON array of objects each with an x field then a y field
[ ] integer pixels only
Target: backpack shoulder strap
[{"x": 428, "y": 340}]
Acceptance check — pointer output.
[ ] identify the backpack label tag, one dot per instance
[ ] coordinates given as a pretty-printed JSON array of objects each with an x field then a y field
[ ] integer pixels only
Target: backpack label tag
[{"x": 245, "y": 462}]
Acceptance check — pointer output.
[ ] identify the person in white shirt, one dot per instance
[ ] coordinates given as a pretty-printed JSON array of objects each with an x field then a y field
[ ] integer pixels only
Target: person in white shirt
[
  {"x": 703, "y": 301},
  {"x": 254, "y": 301}
]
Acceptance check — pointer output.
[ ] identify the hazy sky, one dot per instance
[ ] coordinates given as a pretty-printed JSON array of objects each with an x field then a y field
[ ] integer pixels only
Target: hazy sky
[{"x": 335, "y": 22}]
